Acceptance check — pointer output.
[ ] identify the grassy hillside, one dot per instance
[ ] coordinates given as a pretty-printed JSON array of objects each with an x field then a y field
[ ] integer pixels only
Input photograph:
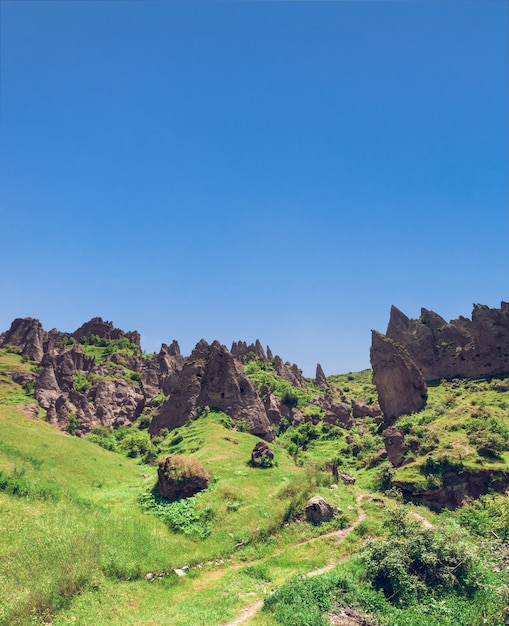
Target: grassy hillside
[{"x": 85, "y": 541}]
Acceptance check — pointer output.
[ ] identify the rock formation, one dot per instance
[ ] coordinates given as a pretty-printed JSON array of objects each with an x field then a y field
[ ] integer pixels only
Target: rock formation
[
  {"x": 262, "y": 455},
  {"x": 92, "y": 378},
  {"x": 415, "y": 351},
  {"x": 214, "y": 378},
  {"x": 401, "y": 387},
  {"x": 320, "y": 378},
  {"x": 105, "y": 330},
  {"x": 28, "y": 335},
  {"x": 460, "y": 348},
  {"x": 394, "y": 441}
]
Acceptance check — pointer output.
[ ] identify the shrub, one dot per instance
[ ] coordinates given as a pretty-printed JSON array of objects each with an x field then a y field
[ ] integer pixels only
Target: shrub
[
  {"x": 136, "y": 444},
  {"x": 73, "y": 424},
  {"x": 414, "y": 562}
]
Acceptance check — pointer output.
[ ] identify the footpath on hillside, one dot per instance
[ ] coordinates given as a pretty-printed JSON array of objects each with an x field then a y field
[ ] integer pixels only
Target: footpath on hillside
[{"x": 250, "y": 610}]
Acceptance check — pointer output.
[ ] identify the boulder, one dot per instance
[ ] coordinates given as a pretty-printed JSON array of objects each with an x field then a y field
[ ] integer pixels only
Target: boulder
[
  {"x": 262, "y": 455},
  {"x": 318, "y": 510},
  {"x": 361, "y": 409},
  {"x": 180, "y": 477},
  {"x": 394, "y": 441}
]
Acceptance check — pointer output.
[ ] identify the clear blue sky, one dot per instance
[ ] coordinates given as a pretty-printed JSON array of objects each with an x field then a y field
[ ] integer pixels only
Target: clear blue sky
[{"x": 239, "y": 170}]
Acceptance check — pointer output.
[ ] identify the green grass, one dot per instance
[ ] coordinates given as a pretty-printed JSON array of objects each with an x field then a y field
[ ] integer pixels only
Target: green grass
[{"x": 77, "y": 544}]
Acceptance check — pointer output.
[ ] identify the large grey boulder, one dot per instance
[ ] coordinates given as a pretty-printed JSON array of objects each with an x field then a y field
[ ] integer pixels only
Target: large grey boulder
[{"x": 318, "y": 510}]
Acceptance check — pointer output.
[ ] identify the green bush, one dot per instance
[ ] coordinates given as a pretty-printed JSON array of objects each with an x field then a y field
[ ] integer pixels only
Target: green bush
[{"x": 414, "y": 562}]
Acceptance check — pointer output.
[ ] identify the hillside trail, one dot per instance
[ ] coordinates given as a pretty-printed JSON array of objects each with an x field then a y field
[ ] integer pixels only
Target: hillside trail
[{"x": 250, "y": 610}]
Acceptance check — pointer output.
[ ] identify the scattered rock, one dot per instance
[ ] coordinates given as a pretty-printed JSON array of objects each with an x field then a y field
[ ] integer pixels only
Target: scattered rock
[
  {"x": 394, "y": 441},
  {"x": 262, "y": 455},
  {"x": 180, "y": 477},
  {"x": 318, "y": 510}
]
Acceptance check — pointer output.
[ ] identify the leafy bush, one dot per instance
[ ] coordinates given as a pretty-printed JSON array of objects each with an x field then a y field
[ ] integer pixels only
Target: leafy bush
[
  {"x": 81, "y": 383},
  {"x": 301, "y": 601},
  {"x": 414, "y": 562},
  {"x": 489, "y": 436},
  {"x": 136, "y": 444},
  {"x": 73, "y": 424},
  {"x": 181, "y": 516},
  {"x": 104, "y": 437}
]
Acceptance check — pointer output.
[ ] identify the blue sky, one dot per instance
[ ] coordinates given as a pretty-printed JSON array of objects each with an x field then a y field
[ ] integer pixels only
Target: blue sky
[{"x": 239, "y": 170}]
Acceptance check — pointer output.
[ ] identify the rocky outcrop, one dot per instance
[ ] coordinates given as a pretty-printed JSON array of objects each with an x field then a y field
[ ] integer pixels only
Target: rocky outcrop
[
  {"x": 213, "y": 377},
  {"x": 27, "y": 335},
  {"x": 105, "y": 330},
  {"x": 320, "y": 378},
  {"x": 460, "y": 348},
  {"x": 244, "y": 352},
  {"x": 400, "y": 385},
  {"x": 319, "y": 510},
  {"x": 456, "y": 488},
  {"x": 290, "y": 373},
  {"x": 361, "y": 409}
]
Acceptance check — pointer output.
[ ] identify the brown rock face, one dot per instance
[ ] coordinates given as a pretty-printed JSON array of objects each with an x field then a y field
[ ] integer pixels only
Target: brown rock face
[
  {"x": 241, "y": 350},
  {"x": 319, "y": 510},
  {"x": 394, "y": 441},
  {"x": 28, "y": 335},
  {"x": 292, "y": 374},
  {"x": 457, "y": 488},
  {"x": 401, "y": 387},
  {"x": 460, "y": 348},
  {"x": 180, "y": 477},
  {"x": 105, "y": 330},
  {"x": 361, "y": 409},
  {"x": 320, "y": 377},
  {"x": 213, "y": 377}
]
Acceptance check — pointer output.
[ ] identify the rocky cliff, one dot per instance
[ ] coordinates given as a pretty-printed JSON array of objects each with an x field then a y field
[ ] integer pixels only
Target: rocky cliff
[
  {"x": 414, "y": 352},
  {"x": 98, "y": 375}
]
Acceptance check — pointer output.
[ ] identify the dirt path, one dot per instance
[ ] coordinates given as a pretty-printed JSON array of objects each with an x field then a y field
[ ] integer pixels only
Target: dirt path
[
  {"x": 252, "y": 609},
  {"x": 426, "y": 523}
]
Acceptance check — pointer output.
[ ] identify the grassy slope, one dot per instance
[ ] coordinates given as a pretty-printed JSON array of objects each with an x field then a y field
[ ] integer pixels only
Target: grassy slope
[
  {"x": 76, "y": 546},
  {"x": 72, "y": 523}
]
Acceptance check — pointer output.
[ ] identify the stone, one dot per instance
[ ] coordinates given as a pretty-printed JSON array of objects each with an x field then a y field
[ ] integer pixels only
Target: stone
[
  {"x": 394, "y": 441},
  {"x": 318, "y": 510},
  {"x": 180, "y": 477},
  {"x": 361, "y": 409},
  {"x": 347, "y": 479},
  {"x": 320, "y": 378},
  {"x": 400, "y": 385},
  {"x": 262, "y": 455}
]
